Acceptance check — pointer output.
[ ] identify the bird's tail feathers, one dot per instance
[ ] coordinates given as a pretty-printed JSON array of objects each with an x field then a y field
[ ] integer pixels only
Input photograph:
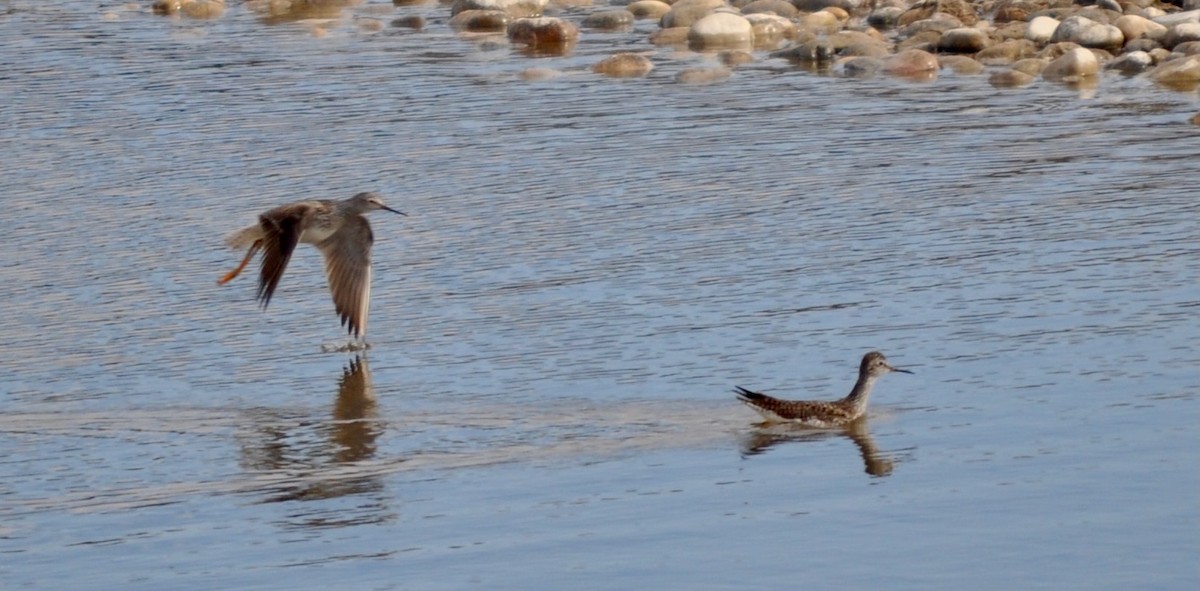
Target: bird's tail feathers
[{"x": 748, "y": 395}]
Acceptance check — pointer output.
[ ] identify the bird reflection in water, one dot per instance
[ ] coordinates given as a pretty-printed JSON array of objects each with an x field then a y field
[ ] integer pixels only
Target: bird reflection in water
[
  {"x": 321, "y": 460},
  {"x": 768, "y": 435}
]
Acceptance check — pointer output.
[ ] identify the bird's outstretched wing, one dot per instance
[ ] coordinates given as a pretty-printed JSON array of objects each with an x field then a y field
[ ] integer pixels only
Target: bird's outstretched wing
[
  {"x": 348, "y": 268},
  {"x": 281, "y": 232}
]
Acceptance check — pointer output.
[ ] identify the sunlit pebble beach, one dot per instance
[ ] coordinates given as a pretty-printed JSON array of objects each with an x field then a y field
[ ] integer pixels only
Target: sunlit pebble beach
[{"x": 1014, "y": 43}]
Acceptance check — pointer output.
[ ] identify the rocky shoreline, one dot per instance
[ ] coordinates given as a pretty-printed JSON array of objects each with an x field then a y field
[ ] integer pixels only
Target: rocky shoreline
[{"x": 1013, "y": 42}]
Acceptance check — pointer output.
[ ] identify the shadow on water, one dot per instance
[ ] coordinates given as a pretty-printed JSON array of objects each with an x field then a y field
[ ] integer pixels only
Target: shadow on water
[{"x": 877, "y": 463}]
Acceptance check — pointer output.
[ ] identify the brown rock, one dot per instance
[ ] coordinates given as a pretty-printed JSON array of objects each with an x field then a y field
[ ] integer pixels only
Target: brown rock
[
  {"x": 545, "y": 32},
  {"x": 671, "y": 36},
  {"x": 609, "y": 19},
  {"x": 780, "y": 7},
  {"x": 960, "y": 64},
  {"x": 924, "y": 9},
  {"x": 624, "y": 65},
  {"x": 480, "y": 20},
  {"x": 735, "y": 57},
  {"x": 1007, "y": 52},
  {"x": 1032, "y": 66},
  {"x": 911, "y": 62},
  {"x": 1010, "y": 78},
  {"x": 648, "y": 8}
]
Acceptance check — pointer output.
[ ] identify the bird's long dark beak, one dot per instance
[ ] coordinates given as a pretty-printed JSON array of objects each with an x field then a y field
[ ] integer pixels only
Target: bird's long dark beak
[
  {"x": 899, "y": 370},
  {"x": 393, "y": 210}
]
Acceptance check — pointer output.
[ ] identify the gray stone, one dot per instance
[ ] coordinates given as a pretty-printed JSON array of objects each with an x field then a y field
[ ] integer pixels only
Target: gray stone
[
  {"x": 812, "y": 52},
  {"x": 780, "y": 7},
  {"x": 1169, "y": 20},
  {"x": 1181, "y": 33},
  {"x": 1133, "y": 62},
  {"x": 1142, "y": 44},
  {"x": 1088, "y": 33},
  {"x": 861, "y": 67}
]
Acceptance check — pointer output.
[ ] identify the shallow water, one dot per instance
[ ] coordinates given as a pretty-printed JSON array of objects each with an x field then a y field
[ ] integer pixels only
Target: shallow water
[{"x": 588, "y": 268}]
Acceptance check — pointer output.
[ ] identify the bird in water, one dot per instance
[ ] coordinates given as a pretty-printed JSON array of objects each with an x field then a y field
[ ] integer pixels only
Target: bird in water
[
  {"x": 339, "y": 229},
  {"x": 819, "y": 413}
]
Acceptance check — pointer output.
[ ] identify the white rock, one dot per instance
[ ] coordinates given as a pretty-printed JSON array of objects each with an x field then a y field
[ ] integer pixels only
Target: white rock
[
  {"x": 769, "y": 29},
  {"x": 1073, "y": 65},
  {"x": 721, "y": 29},
  {"x": 514, "y": 8},
  {"x": 1041, "y": 29}
]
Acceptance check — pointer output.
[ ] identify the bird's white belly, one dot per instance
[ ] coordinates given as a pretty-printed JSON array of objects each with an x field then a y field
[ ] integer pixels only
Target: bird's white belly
[{"x": 317, "y": 234}]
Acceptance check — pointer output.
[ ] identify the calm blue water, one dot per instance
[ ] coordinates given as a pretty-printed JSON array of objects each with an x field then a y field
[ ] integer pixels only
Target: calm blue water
[{"x": 588, "y": 268}]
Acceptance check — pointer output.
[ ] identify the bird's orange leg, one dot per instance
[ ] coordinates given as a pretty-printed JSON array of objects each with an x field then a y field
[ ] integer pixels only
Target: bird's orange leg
[{"x": 238, "y": 271}]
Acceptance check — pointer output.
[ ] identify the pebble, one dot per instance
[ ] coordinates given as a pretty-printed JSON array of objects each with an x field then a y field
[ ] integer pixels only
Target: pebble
[
  {"x": 961, "y": 64},
  {"x": 1134, "y": 62},
  {"x": 609, "y": 19},
  {"x": 1074, "y": 64},
  {"x": 647, "y": 9},
  {"x": 543, "y": 33},
  {"x": 624, "y": 65},
  {"x": 781, "y": 8},
  {"x": 963, "y": 40},
  {"x": 514, "y": 8},
  {"x": 1181, "y": 73},
  {"x": 769, "y": 30},
  {"x": 912, "y": 62},
  {"x": 480, "y": 20},
  {"x": 1088, "y": 33},
  {"x": 721, "y": 30},
  {"x": 1010, "y": 78},
  {"x": 1041, "y": 29},
  {"x": 1181, "y": 33},
  {"x": 1133, "y": 27},
  {"x": 684, "y": 13}
]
